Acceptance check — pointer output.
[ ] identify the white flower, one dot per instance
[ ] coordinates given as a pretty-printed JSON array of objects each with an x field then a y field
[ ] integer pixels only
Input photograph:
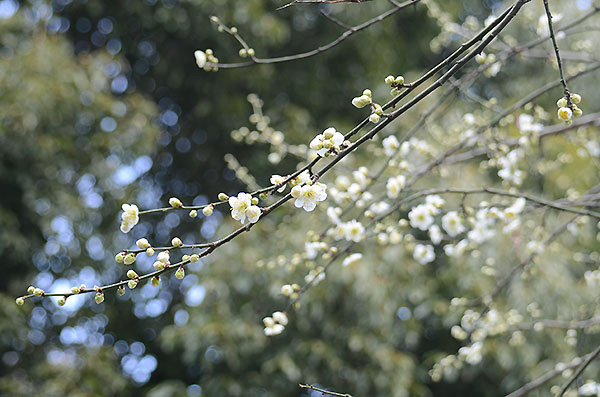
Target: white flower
[
  {"x": 239, "y": 206},
  {"x": 565, "y": 114},
  {"x": 312, "y": 249},
  {"x": 200, "y": 58},
  {"x": 354, "y": 231},
  {"x": 435, "y": 234},
  {"x": 276, "y": 180},
  {"x": 390, "y": 145},
  {"x": 420, "y": 217},
  {"x": 394, "y": 185},
  {"x": 253, "y": 213},
  {"x": 435, "y": 201},
  {"x": 589, "y": 389},
  {"x": 329, "y": 141},
  {"x": 361, "y": 176},
  {"x": 480, "y": 233},
  {"x": 333, "y": 213},
  {"x": 352, "y": 259},
  {"x": 456, "y": 250},
  {"x": 423, "y": 253},
  {"x": 379, "y": 207},
  {"x": 315, "y": 276},
  {"x": 516, "y": 208},
  {"x": 130, "y": 217},
  {"x": 281, "y": 318},
  {"x": 452, "y": 224},
  {"x": 308, "y": 196}
]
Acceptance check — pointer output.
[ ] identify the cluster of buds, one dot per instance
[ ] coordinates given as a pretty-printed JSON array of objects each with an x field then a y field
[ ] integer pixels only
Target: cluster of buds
[
  {"x": 396, "y": 83},
  {"x": 290, "y": 290},
  {"x": 206, "y": 60},
  {"x": 245, "y": 52},
  {"x": 328, "y": 143},
  {"x": 366, "y": 99},
  {"x": 567, "y": 107},
  {"x": 275, "y": 324},
  {"x": 162, "y": 260}
]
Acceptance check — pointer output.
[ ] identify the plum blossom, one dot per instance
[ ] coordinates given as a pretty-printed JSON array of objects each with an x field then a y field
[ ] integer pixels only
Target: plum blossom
[
  {"x": 352, "y": 259},
  {"x": 423, "y": 253},
  {"x": 308, "y": 196},
  {"x": 452, "y": 224},
  {"x": 130, "y": 217},
  {"x": 390, "y": 145},
  {"x": 240, "y": 205},
  {"x": 394, "y": 185},
  {"x": 277, "y": 179},
  {"x": 420, "y": 217},
  {"x": 354, "y": 231},
  {"x": 435, "y": 234}
]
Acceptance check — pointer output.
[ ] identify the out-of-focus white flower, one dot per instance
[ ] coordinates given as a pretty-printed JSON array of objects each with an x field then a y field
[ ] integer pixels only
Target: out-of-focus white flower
[
  {"x": 239, "y": 206},
  {"x": 281, "y": 318},
  {"x": 354, "y": 231},
  {"x": 435, "y": 201},
  {"x": 423, "y": 253},
  {"x": 589, "y": 389},
  {"x": 420, "y": 217},
  {"x": 471, "y": 354},
  {"x": 130, "y": 217},
  {"x": 379, "y": 207},
  {"x": 333, "y": 213},
  {"x": 452, "y": 224},
  {"x": 435, "y": 234},
  {"x": 516, "y": 208},
  {"x": 352, "y": 259},
  {"x": 308, "y": 196},
  {"x": 390, "y": 145},
  {"x": 313, "y": 248},
  {"x": 456, "y": 250},
  {"x": 394, "y": 185},
  {"x": 163, "y": 257}
]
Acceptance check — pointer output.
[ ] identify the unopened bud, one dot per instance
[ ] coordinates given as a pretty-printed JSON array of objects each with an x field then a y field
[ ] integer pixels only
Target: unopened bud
[
  {"x": 174, "y": 201},
  {"x": 208, "y": 210},
  {"x": 180, "y": 273},
  {"x": 99, "y": 298},
  {"x": 155, "y": 281}
]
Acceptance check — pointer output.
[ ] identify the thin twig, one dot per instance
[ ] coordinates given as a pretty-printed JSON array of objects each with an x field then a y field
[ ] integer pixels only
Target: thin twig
[
  {"x": 323, "y": 391},
  {"x": 577, "y": 374},
  {"x": 556, "y": 51}
]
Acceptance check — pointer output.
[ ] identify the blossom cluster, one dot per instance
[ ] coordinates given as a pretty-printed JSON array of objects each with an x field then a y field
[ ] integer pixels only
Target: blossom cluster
[
  {"x": 567, "y": 107},
  {"x": 275, "y": 324}
]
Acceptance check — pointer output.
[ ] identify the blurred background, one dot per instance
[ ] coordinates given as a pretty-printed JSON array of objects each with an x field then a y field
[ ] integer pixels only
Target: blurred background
[{"x": 101, "y": 103}]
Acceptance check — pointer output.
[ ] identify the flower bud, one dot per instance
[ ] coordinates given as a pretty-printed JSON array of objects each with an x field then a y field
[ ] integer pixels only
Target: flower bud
[
  {"x": 121, "y": 290},
  {"x": 194, "y": 258},
  {"x": 155, "y": 281},
  {"x": 374, "y": 118},
  {"x": 142, "y": 243},
  {"x": 132, "y": 284},
  {"x": 562, "y": 102},
  {"x": 577, "y": 112},
  {"x": 208, "y": 210},
  {"x": 20, "y": 301},
  {"x": 185, "y": 258},
  {"x": 99, "y": 298},
  {"x": 120, "y": 257},
  {"x": 129, "y": 258},
  {"x": 180, "y": 273},
  {"x": 38, "y": 292},
  {"x": 158, "y": 265},
  {"x": 254, "y": 201},
  {"x": 75, "y": 290},
  {"x": 263, "y": 196},
  {"x": 251, "y": 52},
  {"x": 163, "y": 257},
  {"x": 575, "y": 98},
  {"x": 268, "y": 322},
  {"x": 390, "y": 79},
  {"x": 223, "y": 197},
  {"x": 176, "y": 242},
  {"x": 150, "y": 251},
  {"x": 399, "y": 80},
  {"x": 243, "y": 53},
  {"x": 280, "y": 317},
  {"x": 132, "y": 274},
  {"x": 367, "y": 92},
  {"x": 62, "y": 301},
  {"x": 174, "y": 201},
  {"x": 30, "y": 289},
  {"x": 356, "y": 102},
  {"x": 193, "y": 213}
]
